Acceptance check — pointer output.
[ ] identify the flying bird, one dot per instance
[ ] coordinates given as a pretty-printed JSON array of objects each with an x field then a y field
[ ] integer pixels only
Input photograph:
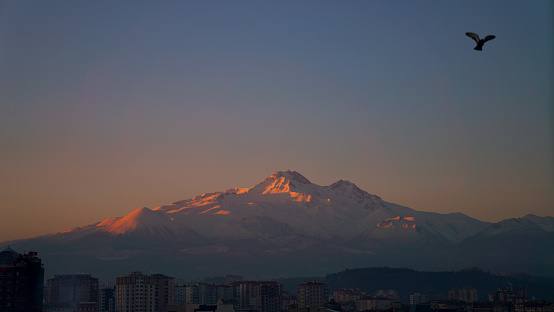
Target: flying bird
[{"x": 480, "y": 42}]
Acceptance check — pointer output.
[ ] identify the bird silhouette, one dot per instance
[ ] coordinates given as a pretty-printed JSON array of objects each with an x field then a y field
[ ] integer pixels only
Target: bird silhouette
[{"x": 480, "y": 42}]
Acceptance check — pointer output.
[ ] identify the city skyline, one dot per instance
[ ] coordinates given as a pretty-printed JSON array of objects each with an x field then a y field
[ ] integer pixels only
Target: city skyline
[
  {"x": 369, "y": 289},
  {"x": 107, "y": 107}
]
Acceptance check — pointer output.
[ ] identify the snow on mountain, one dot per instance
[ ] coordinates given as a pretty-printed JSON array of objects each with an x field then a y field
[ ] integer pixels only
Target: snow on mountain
[
  {"x": 71, "y": 235},
  {"x": 78, "y": 233},
  {"x": 288, "y": 197},
  {"x": 284, "y": 207},
  {"x": 454, "y": 227},
  {"x": 108, "y": 222},
  {"x": 268, "y": 230},
  {"x": 282, "y": 182},
  {"x": 402, "y": 231},
  {"x": 339, "y": 211},
  {"x": 516, "y": 244},
  {"x": 513, "y": 227},
  {"x": 287, "y": 225},
  {"x": 144, "y": 222}
]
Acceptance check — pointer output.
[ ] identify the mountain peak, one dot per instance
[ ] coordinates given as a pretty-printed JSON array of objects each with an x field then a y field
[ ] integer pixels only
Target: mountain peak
[
  {"x": 290, "y": 175},
  {"x": 138, "y": 218},
  {"x": 347, "y": 188},
  {"x": 513, "y": 226},
  {"x": 140, "y": 212},
  {"x": 282, "y": 182},
  {"x": 344, "y": 184},
  {"x": 546, "y": 223}
]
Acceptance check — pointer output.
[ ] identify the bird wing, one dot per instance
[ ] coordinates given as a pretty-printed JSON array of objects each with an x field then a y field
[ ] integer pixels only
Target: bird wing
[
  {"x": 489, "y": 37},
  {"x": 473, "y": 36}
]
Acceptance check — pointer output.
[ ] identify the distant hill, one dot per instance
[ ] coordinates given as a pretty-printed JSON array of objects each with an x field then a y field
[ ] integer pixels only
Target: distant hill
[{"x": 433, "y": 284}]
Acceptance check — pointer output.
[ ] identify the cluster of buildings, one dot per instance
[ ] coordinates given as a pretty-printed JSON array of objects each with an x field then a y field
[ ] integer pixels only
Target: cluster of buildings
[
  {"x": 464, "y": 299},
  {"x": 138, "y": 292},
  {"x": 23, "y": 289}
]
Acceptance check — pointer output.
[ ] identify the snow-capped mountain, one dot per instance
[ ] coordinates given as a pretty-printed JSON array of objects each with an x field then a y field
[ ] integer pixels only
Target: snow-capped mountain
[
  {"x": 402, "y": 231},
  {"x": 285, "y": 225},
  {"x": 517, "y": 244},
  {"x": 151, "y": 225},
  {"x": 513, "y": 227},
  {"x": 340, "y": 211}
]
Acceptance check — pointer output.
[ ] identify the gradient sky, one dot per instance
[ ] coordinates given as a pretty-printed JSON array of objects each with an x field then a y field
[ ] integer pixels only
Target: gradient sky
[{"x": 107, "y": 106}]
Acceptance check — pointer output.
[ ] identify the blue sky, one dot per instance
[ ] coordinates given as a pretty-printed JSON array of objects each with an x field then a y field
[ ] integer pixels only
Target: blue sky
[{"x": 108, "y": 106}]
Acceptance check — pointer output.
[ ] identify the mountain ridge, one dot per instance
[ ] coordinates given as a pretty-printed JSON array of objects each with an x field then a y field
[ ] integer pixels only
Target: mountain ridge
[{"x": 286, "y": 216}]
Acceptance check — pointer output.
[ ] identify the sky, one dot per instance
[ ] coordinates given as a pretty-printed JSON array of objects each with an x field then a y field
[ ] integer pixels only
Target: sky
[{"x": 108, "y": 106}]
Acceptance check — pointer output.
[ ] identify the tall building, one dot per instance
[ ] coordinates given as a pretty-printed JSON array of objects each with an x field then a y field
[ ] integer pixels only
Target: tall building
[
  {"x": 136, "y": 292},
  {"x": 69, "y": 291},
  {"x": 312, "y": 294},
  {"x": 192, "y": 294},
  {"x": 269, "y": 297},
  {"x": 21, "y": 282},
  {"x": 465, "y": 294},
  {"x": 263, "y": 296},
  {"x": 164, "y": 291},
  {"x": 107, "y": 297},
  {"x": 180, "y": 294}
]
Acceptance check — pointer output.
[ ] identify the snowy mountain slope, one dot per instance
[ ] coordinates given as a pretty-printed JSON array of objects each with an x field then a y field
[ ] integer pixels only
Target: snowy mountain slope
[
  {"x": 289, "y": 206},
  {"x": 340, "y": 210},
  {"x": 513, "y": 227},
  {"x": 140, "y": 227},
  {"x": 402, "y": 231},
  {"x": 287, "y": 225},
  {"x": 152, "y": 225},
  {"x": 516, "y": 244},
  {"x": 77, "y": 233}
]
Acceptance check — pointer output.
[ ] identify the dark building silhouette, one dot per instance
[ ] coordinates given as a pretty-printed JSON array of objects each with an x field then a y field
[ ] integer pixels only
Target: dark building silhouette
[
  {"x": 312, "y": 294},
  {"x": 165, "y": 291},
  {"x": 262, "y": 296},
  {"x": 73, "y": 292},
  {"x": 21, "y": 282},
  {"x": 107, "y": 298}
]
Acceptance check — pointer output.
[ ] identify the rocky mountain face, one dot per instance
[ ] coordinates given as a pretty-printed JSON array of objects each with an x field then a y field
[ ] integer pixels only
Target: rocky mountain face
[{"x": 287, "y": 226}]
